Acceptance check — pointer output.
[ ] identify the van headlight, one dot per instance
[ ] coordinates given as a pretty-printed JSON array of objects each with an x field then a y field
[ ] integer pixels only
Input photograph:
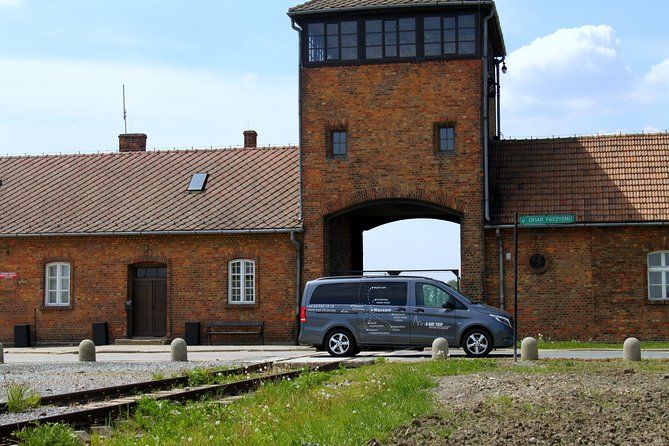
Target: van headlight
[{"x": 501, "y": 319}]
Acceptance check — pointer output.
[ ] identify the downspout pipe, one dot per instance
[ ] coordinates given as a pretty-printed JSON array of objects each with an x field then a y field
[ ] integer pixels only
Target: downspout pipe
[
  {"x": 501, "y": 268},
  {"x": 293, "y": 235},
  {"x": 486, "y": 116},
  {"x": 294, "y": 25},
  {"x": 298, "y": 282}
]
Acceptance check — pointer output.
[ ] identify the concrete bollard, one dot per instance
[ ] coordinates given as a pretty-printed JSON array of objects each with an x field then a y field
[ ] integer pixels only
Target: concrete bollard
[
  {"x": 87, "y": 351},
  {"x": 2, "y": 354},
  {"x": 179, "y": 350},
  {"x": 440, "y": 349},
  {"x": 529, "y": 349},
  {"x": 632, "y": 350}
]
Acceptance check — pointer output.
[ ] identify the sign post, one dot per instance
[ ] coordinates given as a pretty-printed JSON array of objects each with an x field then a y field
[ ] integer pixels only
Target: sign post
[{"x": 515, "y": 287}]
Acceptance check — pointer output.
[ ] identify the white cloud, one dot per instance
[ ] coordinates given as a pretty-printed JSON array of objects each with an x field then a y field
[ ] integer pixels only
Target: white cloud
[
  {"x": 11, "y": 3},
  {"x": 58, "y": 105},
  {"x": 571, "y": 81}
]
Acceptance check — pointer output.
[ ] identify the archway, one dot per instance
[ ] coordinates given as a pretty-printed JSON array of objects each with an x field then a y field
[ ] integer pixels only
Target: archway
[
  {"x": 344, "y": 246},
  {"x": 424, "y": 247}
]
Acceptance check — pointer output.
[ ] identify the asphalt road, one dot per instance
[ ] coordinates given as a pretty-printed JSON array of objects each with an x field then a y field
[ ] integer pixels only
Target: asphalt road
[{"x": 243, "y": 354}]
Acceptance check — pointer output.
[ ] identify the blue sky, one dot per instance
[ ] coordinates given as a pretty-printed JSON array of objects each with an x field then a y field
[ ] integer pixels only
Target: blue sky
[{"x": 199, "y": 72}]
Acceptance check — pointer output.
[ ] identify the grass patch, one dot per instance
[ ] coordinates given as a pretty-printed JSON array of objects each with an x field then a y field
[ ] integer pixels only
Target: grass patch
[
  {"x": 21, "y": 397},
  {"x": 591, "y": 345},
  {"x": 48, "y": 435},
  {"x": 347, "y": 407}
]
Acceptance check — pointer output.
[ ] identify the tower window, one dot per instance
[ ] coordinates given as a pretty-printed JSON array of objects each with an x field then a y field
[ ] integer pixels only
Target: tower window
[
  {"x": 445, "y": 138},
  {"x": 332, "y": 41},
  {"x": 390, "y": 38},
  {"x": 450, "y": 35},
  {"x": 338, "y": 143}
]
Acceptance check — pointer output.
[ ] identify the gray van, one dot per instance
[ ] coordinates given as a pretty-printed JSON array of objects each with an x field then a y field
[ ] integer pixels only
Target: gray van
[{"x": 345, "y": 315}]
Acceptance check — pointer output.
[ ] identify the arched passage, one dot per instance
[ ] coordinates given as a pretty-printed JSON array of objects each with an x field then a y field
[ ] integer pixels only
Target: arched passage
[
  {"x": 344, "y": 251},
  {"x": 426, "y": 247}
]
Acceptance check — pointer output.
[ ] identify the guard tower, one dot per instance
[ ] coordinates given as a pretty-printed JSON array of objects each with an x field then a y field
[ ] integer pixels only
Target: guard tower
[{"x": 398, "y": 103}]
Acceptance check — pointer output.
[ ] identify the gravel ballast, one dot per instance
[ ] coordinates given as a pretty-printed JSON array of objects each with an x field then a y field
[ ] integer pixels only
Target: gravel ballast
[{"x": 58, "y": 378}]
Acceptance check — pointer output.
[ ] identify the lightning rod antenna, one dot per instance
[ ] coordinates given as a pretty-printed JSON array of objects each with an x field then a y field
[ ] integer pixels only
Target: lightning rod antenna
[{"x": 125, "y": 113}]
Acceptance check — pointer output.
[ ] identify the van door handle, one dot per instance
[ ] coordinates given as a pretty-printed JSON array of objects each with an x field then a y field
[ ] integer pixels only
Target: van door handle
[
  {"x": 419, "y": 310},
  {"x": 400, "y": 309}
]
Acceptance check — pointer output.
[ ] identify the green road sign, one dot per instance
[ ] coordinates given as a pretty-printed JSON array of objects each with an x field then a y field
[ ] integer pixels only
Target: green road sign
[{"x": 546, "y": 220}]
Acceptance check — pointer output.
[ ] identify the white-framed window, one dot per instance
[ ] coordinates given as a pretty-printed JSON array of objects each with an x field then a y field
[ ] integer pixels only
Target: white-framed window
[
  {"x": 57, "y": 285},
  {"x": 242, "y": 281},
  {"x": 658, "y": 275}
]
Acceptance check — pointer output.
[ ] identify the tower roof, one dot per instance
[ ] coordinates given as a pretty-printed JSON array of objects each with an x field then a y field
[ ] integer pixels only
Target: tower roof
[{"x": 322, "y": 6}]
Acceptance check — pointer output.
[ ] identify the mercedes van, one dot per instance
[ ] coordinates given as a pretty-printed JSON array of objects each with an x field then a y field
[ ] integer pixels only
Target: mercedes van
[{"x": 347, "y": 314}]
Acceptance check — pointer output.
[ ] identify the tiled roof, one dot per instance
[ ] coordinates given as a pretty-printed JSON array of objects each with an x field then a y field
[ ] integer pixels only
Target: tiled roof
[
  {"x": 247, "y": 189},
  {"x": 600, "y": 179},
  {"x": 315, "y": 6}
]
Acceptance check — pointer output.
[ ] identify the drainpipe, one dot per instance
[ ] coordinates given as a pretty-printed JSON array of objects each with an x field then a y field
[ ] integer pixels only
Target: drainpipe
[
  {"x": 293, "y": 237},
  {"x": 299, "y": 93},
  {"x": 298, "y": 281},
  {"x": 501, "y": 269},
  {"x": 486, "y": 115}
]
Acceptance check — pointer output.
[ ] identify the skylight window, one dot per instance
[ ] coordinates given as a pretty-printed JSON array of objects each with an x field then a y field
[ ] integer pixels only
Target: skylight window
[{"x": 198, "y": 182}]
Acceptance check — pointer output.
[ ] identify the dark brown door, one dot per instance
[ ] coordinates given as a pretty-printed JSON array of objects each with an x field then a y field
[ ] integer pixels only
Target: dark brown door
[{"x": 149, "y": 295}]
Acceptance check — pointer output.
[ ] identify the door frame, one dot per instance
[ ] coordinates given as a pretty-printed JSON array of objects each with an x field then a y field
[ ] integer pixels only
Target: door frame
[{"x": 131, "y": 298}]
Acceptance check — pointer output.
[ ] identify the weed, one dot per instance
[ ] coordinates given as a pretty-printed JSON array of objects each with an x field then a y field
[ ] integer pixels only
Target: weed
[
  {"x": 48, "y": 435},
  {"x": 21, "y": 397},
  {"x": 158, "y": 376}
]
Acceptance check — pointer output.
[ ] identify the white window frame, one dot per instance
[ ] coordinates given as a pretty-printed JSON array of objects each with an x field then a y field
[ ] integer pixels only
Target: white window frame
[
  {"x": 664, "y": 269},
  {"x": 60, "y": 290},
  {"x": 237, "y": 295}
]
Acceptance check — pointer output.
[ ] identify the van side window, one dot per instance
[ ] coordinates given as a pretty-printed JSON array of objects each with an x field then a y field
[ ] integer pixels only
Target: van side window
[
  {"x": 431, "y": 296},
  {"x": 336, "y": 294},
  {"x": 384, "y": 293}
]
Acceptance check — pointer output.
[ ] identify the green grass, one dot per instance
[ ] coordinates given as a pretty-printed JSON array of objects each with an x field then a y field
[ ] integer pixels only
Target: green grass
[
  {"x": 569, "y": 345},
  {"x": 49, "y": 435},
  {"x": 21, "y": 397},
  {"x": 347, "y": 407}
]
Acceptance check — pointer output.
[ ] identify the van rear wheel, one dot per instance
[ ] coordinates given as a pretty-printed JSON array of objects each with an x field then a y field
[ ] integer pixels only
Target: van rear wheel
[{"x": 340, "y": 343}]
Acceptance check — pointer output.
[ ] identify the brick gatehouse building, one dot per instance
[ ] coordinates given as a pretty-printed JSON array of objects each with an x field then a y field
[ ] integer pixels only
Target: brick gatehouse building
[{"x": 399, "y": 108}]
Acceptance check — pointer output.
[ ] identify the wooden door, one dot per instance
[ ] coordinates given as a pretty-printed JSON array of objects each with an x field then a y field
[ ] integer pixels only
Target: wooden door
[{"x": 149, "y": 295}]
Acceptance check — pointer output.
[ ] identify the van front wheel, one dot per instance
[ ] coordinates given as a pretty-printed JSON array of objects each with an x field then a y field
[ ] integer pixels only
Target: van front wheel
[
  {"x": 340, "y": 343},
  {"x": 477, "y": 343}
]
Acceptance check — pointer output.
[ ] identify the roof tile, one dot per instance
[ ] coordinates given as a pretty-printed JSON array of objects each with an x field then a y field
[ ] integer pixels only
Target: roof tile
[
  {"x": 247, "y": 189},
  {"x": 623, "y": 178}
]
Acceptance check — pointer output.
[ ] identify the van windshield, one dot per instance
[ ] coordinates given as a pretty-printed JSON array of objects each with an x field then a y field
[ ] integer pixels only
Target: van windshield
[{"x": 457, "y": 294}]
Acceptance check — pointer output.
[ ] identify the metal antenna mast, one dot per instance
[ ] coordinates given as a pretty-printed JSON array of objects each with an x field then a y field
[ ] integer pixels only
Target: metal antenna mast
[{"x": 125, "y": 114}]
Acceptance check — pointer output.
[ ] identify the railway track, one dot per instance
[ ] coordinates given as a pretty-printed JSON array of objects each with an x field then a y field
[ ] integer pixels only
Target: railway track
[{"x": 101, "y": 405}]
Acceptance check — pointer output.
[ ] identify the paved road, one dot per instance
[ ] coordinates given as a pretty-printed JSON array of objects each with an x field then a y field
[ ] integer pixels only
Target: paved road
[{"x": 273, "y": 353}]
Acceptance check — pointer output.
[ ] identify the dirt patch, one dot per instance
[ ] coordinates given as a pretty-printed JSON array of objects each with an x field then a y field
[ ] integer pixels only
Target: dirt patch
[{"x": 619, "y": 406}]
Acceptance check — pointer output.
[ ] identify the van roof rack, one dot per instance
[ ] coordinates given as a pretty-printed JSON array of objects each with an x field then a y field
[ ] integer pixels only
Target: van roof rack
[{"x": 378, "y": 276}]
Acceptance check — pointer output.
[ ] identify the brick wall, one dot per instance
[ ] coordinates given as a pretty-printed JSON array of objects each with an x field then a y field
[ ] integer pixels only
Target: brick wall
[
  {"x": 197, "y": 282},
  {"x": 595, "y": 285},
  {"x": 389, "y": 111}
]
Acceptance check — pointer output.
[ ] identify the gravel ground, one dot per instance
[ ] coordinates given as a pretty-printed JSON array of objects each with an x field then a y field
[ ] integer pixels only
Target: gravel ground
[
  {"x": 57, "y": 378},
  {"x": 622, "y": 406}
]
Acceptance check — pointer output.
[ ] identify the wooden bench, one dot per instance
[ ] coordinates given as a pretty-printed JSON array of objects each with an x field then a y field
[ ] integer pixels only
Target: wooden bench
[{"x": 235, "y": 328}]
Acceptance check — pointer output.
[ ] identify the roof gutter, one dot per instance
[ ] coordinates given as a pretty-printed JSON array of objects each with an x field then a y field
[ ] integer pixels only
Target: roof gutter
[
  {"x": 585, "y": 225},
  {"x": 138, "y": 233},
  {"x": 486, "y": 116},
  {"x": 432, "y": 4}
]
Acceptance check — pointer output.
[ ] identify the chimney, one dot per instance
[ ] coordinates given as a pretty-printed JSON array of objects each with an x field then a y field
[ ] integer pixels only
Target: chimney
[
  {"x": 132, "y": 142},
  {"x": 250, "y": 139}
]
